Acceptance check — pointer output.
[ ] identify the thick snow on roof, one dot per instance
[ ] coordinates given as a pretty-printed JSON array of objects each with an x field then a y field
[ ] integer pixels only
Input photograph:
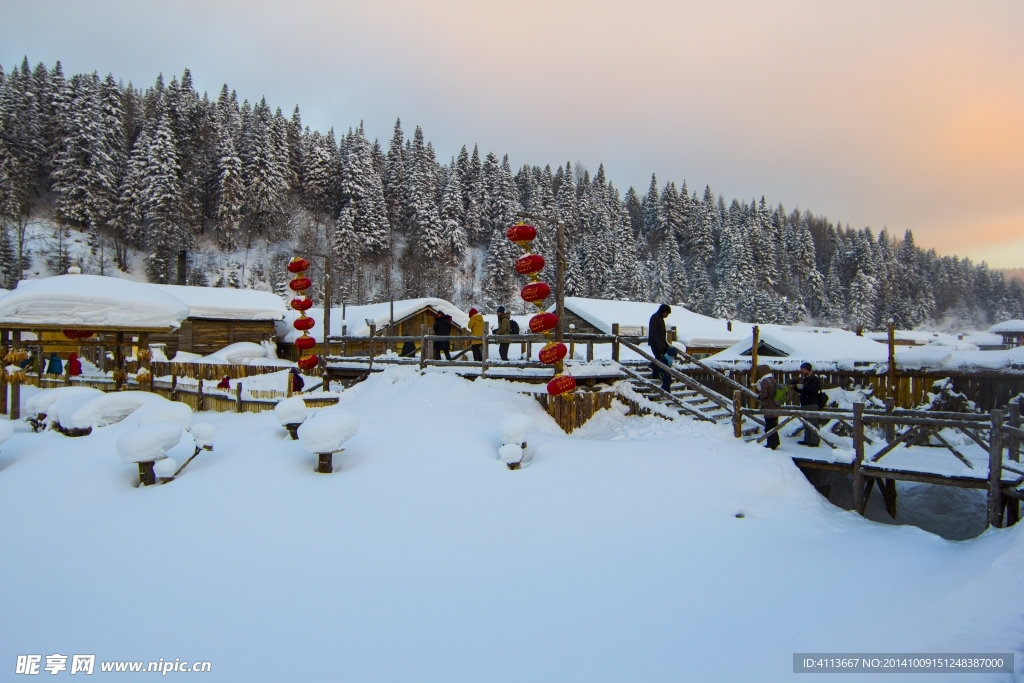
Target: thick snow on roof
[
  {"x": 226, "y": 303},
  {"x": 936, "y": 358},
  {"x": 1008, "y": 327},
  {"x": 356, "y": 316},
  {"x": 967, "y": 341},
  {"x": 824, "y": 348},
  {"x": 91, "y": 301},
  {"x": 694, "y": 329}
]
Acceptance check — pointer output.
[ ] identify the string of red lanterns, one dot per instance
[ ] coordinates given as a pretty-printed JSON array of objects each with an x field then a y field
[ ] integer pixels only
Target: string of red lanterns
[
  {"x": 535, "y": 293},
  {"x": 302, "y": 303}
]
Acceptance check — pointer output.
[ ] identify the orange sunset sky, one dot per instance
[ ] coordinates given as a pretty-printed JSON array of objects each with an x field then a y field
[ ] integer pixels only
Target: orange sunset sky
[{"x": 908, "y": 115}]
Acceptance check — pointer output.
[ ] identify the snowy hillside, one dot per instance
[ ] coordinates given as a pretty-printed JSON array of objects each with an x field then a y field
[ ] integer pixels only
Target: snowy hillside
[{"x": 636, "y": 550}]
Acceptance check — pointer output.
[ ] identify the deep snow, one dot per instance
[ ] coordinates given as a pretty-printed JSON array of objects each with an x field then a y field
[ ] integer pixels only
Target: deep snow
[{"x": 616, "y": 554}]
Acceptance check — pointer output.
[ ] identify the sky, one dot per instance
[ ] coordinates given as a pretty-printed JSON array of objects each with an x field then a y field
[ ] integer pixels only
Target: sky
[{"x": 906, "y": 115}]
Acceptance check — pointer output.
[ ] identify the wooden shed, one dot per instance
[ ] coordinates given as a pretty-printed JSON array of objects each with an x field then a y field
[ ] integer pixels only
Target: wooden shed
[{"x": 220, "y": 316}]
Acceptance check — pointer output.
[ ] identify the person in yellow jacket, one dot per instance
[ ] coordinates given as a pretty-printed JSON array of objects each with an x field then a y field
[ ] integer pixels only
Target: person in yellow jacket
[{"x": 476, "y": 329}]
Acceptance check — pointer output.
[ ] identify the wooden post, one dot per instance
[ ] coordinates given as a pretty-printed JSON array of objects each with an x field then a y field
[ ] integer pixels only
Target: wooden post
[
  {"x": 1013, "y": 447},
  {"x": 859, "y": 502},
  {"x": 238, "y": 395},
  {"x": 199, "y": 397},
  {"x": 1013, "y": 443},
  {"x": 119, "y": 361},
  {"x": 423, "y": 346},
  {"x": 174, "y": 387},
  {"x": 15, "y": 386},
  {"x": 3, "y": 372},
  {"x": 327, "y": 306},
  {"x": 373, "y": 331},
  {"x": 673, "y": 335},
  {"x": 144, "y": 345},
  {"x": 147, "y": 477},
  {"x": 344, "y": 333},
  {"x": 486, "y": 346},
  {"x": 892, "y": 360},
  {"x": 572, "y": 344},
  {"x": 890, "y": 429},
  {"x": 326, "y": 464},
  {"x": 560, "y": 284},
  {"x": 995, "y": 470},
  {"x": 737, "y": 416},
  {"x": 753, "y": 356},
  {"x": 590, "y": 351},
  {"x": 615, "y": 342}
]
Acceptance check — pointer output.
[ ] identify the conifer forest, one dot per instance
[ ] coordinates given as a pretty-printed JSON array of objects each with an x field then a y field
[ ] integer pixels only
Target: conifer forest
[{"x": 172, "y": 185}]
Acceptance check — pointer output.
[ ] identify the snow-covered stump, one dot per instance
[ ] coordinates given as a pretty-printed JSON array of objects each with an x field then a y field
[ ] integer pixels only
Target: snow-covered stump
[
  {"x": 291, "y": 413},
  {"x": 147, "y": 444},
  {"x": 325, "y": 434},
  {"x": 514, "y": 430}
]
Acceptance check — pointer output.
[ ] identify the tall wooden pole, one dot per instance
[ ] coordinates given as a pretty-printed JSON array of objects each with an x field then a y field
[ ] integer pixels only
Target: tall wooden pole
[
  {"x": 859, "y": 503},
  {"x": 559, "y": 275},
  {"x": 995, "y": 470},
  {"x": 753, "y": 356},
  {"x": 327, "y": 304},
  {"x": 892, "y": 359},
  {"x": 15, "y": 386}
]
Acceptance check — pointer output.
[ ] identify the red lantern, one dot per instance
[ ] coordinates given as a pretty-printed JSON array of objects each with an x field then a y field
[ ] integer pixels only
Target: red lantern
[
  {"x": 309, "y": 362},
  {"x": 521, "y": 233},
  {"x": 300, "y": 284},
  {"x": 303, "y": 304},
  {"x": 538, "y": 291},
  {"x": 297, "y": 265},
  {"x": 305, "y": 343},
  {"x": 529, "y": 264},
  {"x": 561, "y": 385},
  {"x": 552, "y": 353},
  {"x": 303, "y": 324},
  {"x": 543, "y": 322},
  {"x": 78, "y": 334}
]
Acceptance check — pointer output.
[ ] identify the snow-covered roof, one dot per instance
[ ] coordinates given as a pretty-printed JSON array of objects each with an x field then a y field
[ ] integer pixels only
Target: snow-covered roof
[
  {"x": 824, "y": 348},
  {"x": 91, "y": 301},
  {"x": 936, "y": 358},
  {"x": 694, "y": 329},
  {"x": 226, "y": 303},
  {"x": 1008, "y": 327},
  {"x": 356, "y": 317}
]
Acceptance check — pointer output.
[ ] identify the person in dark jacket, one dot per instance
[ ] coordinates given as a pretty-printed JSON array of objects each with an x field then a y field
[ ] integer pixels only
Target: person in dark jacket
[
  {"x": 667, "y": 359},
  {"x": 504, "y": 327},
  {"x": 408, "y": 349},
  {"x": 808, "y": 385},
  {"x": 766, "y": 386},
  {"x": 55, "y": 366},
  {"x": 224, "y": 383},
  {"x": 442, "y": 328},
  {"x": 297, "y": 381},
  {"x": 657, "y": 336}
]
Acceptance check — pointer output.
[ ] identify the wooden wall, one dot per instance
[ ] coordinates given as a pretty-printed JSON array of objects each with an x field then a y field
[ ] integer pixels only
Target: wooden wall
[{"x": 204, "y": 336}]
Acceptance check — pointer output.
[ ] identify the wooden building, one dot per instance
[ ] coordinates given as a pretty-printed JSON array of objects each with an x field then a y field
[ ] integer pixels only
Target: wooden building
[{"x": 1012, "y": 332}]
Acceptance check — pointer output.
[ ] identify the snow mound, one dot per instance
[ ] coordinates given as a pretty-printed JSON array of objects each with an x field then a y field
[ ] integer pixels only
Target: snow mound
[
  {"x": 106, "y": 409},
  {"x": 91, "y": 300},
  {"x": 166, "y": 411},
  {"x": 203, "y": 433},
  {"x": 291, "y": 411},
  {"x": 510, "y": 452},
  {"x": 327, "y": 431},
  {"x": 6, "y": 430},
  {"x": 515, "y": 428},
  {"x": 40, "y": 402},
  {"x": 239, "y": 353},
  {"x": 227, "y": 303},
  {"x": 148, "y": 442},
  {"x": 165, "y": 467}
]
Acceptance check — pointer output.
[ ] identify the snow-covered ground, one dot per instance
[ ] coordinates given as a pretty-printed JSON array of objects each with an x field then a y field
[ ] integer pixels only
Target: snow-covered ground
[{"x": 638, "y": 549}]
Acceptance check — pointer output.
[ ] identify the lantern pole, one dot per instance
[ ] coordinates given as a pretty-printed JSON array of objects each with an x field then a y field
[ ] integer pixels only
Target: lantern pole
[{"x": 559, "y": 271}]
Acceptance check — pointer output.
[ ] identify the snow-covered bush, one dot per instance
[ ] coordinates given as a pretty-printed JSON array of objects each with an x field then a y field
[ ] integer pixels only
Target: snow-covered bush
[
  {"x": 165, "y": 411},
  {"x": 326, "y": 433},
  {"x": 80, "y": 418},
  {"x": 514, "y": 429},
  {"x": 146, "y": 444},
  {"x": 203, "y": 433},
  {"x": 291, "y": 412},
  {"x": 38, "y": 411},
  {"x": 165, "y": 468},
  {"x": 944, "y": 398}
]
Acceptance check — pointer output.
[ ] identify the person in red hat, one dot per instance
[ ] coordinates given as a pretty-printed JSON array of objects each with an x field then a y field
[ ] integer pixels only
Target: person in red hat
[{"x": 476, "y": 329}]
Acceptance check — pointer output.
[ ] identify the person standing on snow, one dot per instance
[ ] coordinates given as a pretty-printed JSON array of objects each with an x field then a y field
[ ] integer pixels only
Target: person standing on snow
[
  {"x": 74, "y": 366},
  {"x": 476, "y": 329},
  {"x": 442, "y": 328},
  {"x": 808, "y": 385},
  {"x": 767, "y": 387},
  {"x": 504, "y": 327},
  {"x": 297, "y": 382},
  {"x": 54, "y": 366},
  {"x": 657, "y": 337}
]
